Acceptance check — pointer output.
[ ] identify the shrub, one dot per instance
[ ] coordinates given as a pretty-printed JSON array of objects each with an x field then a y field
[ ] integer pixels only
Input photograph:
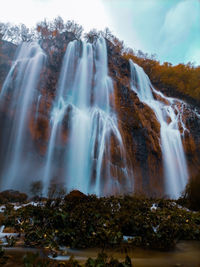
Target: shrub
[
  {"x": 36, "y": 188},
  {"x": 191, "y": 196},
  {"x": 12, "y": 196}
]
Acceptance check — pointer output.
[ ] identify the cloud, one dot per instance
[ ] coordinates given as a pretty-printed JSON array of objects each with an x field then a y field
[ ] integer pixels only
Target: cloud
[
  {"x": 168, "y": 28},
  {"x": 138, "y": 21},
  {"x": 179, "y": 31},
  {"x": 178, "y": 23},
  {"x": 89, "y": 13}
]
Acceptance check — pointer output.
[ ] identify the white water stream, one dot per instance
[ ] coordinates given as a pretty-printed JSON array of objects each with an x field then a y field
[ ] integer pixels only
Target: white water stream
[{"x": 169, "y": 117}]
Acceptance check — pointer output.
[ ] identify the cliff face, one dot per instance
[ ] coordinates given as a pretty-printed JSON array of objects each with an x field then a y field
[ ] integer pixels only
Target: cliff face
[
  {"x": 139, "y": 127},
  {"x": 141, "y": 130},
  {"x": 137, "y": 122},
  {"x": 191, "y": 139}
]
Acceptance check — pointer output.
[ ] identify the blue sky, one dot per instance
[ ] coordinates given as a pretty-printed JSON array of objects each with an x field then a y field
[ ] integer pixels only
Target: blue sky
[{"x": 168, "y": 28}]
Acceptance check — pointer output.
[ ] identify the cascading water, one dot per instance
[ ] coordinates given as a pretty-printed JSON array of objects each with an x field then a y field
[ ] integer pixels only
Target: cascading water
[
  {"x": 83, "y": 95},
  {"x": 85, "y": 149},
  {"x": 169, "y": 117},
  {"x": 21, "y": 83}
]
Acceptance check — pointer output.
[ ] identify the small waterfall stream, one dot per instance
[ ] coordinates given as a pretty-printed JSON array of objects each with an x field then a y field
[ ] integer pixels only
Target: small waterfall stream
[{"x": 169, "y": 117}]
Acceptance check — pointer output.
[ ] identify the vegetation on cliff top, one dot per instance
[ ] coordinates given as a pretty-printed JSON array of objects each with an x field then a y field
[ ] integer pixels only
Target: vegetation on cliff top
[{"x": 180, "y": 80}]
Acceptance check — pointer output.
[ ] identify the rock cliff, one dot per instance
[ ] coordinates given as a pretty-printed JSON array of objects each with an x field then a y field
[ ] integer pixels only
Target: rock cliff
[{"x": 137, "y": 122}]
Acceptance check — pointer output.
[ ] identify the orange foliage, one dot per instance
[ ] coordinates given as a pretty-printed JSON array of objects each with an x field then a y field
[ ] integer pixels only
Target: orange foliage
[{"x": 182, "y": 78}]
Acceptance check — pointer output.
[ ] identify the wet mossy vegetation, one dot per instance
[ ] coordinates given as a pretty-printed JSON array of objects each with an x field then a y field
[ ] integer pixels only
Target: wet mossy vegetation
[
  {"x": 191, "y": 196},
  {"x": 35, "y": 259},
  {"x": 81, "y": 221},
  {"x": 52, "y": 226}
]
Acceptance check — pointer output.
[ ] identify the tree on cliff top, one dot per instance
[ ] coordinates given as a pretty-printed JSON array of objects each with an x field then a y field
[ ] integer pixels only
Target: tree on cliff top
[
  {"x": 43, "y": 30},
  {"x": 16, "y": 33},
  {"x": 50, "y": 29}
]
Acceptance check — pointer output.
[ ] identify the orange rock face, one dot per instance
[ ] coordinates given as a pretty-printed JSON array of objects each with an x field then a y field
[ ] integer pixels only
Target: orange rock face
[{"x": 141, "y": 134}]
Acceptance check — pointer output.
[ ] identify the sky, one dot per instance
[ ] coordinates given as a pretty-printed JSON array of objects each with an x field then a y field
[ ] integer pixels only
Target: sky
[{"x": 168, "y": 28}]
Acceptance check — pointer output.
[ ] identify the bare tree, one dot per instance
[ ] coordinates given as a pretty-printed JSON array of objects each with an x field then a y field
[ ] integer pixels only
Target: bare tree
[
  {"x": 58, "y": 24},
  {"x": 56, "y": 191},
  {"x": 92, "y": 35},
  {"x": 36, "y": 188},
  {"x": 26, "y": 34},
  {"x": 72, "y": 26},
  {"x": 107, "y": 34},
  {"x": 3, "y": 30}
]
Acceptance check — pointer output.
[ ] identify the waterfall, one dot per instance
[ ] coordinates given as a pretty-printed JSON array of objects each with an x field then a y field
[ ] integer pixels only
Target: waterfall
[
  {"x": 85, "y": 149},
  {"x": 169, "y": 116},
  {"x": 83, "y": 97},
  {"x": 21, "y": 86}
]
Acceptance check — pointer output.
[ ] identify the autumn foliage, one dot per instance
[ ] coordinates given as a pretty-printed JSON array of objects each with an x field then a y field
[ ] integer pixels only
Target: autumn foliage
[{"x": 181, "y": 79}]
